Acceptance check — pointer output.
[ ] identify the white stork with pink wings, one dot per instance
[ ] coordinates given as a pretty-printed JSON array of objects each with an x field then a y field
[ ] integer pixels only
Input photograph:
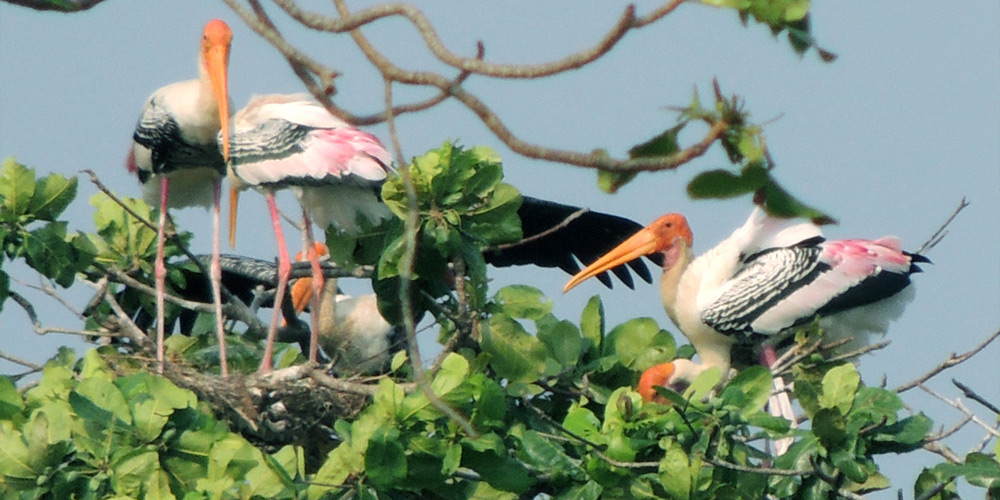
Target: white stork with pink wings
[
  {"x": 766, "y": 278},
  {"x": 336, "y": 170},
  {"x": 177, "y": 159}
]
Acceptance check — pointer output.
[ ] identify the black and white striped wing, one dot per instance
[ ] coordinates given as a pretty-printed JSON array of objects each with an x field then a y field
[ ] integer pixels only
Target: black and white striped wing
[
  {"x": 158, "y": 132},
  {"x": 764, "y": 296}
]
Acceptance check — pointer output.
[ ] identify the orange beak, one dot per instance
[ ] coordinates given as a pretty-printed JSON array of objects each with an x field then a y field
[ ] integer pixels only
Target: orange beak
[
  {"x": 215, "y": 55},
  {"x": 234, "y": 199},
  {"x": 657, "y": 376},
  {"x": 302, "y": 291},
  {"x": 656, "y": 237}
]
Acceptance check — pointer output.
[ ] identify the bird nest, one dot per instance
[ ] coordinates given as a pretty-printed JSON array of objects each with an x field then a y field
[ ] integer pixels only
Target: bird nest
[{"x": 296, "y": 405}]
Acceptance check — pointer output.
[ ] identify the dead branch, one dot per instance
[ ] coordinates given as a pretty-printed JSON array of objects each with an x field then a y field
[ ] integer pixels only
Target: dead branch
[
  {"x": 952, "y": 360},
  {"x": 942, "y": 231},
  {"x": 19, "y": 361},
  {"x": 957, "y": 404},
  {"x": 348, "y": 22},
  {"x": 973, "y": 395}
]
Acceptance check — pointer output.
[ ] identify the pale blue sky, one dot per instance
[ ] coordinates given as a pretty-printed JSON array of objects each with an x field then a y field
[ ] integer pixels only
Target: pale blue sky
[{"x": 887, "y": 139}]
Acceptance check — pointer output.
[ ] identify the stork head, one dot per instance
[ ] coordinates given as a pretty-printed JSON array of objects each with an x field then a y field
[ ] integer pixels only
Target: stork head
[
  {"x": 669, "y": 235},
  {"x": 215, "y": 44},
  {"x": 676, "y": 375}
]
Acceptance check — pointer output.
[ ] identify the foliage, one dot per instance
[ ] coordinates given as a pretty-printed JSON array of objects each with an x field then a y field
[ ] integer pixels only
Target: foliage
[
  {"x": 30, "y": 229},
  {"x": 550, "y": 402},
  {"x": 462, "y": 207},
  {"x": 85, "y": 432}
]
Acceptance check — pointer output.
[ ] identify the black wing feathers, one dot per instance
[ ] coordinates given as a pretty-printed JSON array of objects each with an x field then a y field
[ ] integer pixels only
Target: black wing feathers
[{"x": 557, "y": 235}]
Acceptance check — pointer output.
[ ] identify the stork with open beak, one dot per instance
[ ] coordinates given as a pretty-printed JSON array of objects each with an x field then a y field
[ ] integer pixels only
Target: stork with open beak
[
  {"x": 175, "y": 146},
  {"x": 336, "y": 170},
  {"x": 766, "y": 278}
]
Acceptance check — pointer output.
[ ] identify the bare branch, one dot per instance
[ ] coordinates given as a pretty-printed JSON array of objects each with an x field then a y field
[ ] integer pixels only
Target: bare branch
[
  {"x": 348, "y": 22},
  {"x": 26, "y": 364},
  {"x": 125, "y": 324},
  {"x": 957, "y": 404},
  {"x": 969, "y": 393},
  {"x": 952, "y": 360},
  {"x": 942, "y": 231},
  {"x": 755, "y": 470},
  {"x": 453, "y": 88}
]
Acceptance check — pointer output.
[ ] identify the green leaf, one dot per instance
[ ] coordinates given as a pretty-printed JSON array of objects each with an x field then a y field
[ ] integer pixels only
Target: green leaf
[
  {"x": 829, "y": 427},
  {"x": 664, "y": 144},
  {"x": 10, "y": 400},
  {"x": 103, "y": 393},
  {"x": 132, "y": 470},
  {"x": 17, "y": 186},
  {"x": 514, "y": 354},
  {"x": 749, "y": 390},
  {"x": 500, "y": 471},
  {"x": 52, "y": 195},
  {"x": 906, "y": 435},
  {"x": 592, "y": 323},
  {"x": 523, "y": 302},
  {"x": 385, "y": 460},
  {"x": 583, "y": 423},
  {"x": 780, "y": 203},
  {"x": 541, "y": 454},
  {"x": 564, "y": 343},
  {"x": 675, "y": 470},
  {"x": 15, "y": 458},
  {"x": 722, "y": 184},
  {"x": 840, "y": 385},
  {"x": 640, "y": 343},
  {"x": 586, "y": 491},
  {"x": 611, "y": 181},
  {"x": 845, "y": 461}
]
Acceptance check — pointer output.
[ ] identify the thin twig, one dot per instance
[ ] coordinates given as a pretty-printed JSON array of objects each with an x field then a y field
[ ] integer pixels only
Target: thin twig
[
  {"x": 957, "y": 404},
  {"x": 755, "y": 469},
  {"x": 125, "y": 324},
  {"x": 938, "y": 488},
  {"x": 952, "y": 360},
  {"x": 562, "y": 224},
  {"x": 941, "y": 232},
  {"x": 971, "y": 394},
  {"x": 26, "y": 364}
]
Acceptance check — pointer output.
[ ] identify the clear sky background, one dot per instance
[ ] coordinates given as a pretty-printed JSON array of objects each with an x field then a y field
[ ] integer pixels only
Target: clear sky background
[{"x": 887, "y": 139}]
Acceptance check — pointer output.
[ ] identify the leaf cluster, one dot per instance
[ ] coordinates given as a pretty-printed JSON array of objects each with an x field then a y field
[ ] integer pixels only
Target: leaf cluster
[
  {"x": 84, "y": 432},
  {"x": 790, "y": 16},
  {"x": 461, "y": 206},
  {"x": 30, "y": 228}
]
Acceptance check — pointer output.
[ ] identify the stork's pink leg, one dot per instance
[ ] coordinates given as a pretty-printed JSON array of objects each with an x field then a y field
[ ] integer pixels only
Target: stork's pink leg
[
  {"x": 160, "y": 270},
  {"x": 284, "y": 270},
  {"x": 216, "y": 272},
  {"x": 317, "y": 285}
]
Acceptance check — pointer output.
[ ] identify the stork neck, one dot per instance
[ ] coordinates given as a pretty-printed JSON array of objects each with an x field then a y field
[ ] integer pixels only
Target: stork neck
[
  {"x": 206, "y": 95},
  {"x": 676, "y": 261}
]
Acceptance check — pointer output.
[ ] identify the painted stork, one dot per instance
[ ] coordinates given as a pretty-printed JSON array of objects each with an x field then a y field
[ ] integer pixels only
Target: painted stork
[
  {"x": 175, "y": 145},
  {"x": 290, "y": 141},
  {"x": 766, "y": 278}
]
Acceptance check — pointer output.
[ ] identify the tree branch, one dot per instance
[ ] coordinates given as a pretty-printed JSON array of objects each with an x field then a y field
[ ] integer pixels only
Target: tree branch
[{"x": 952, "y": 360}]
